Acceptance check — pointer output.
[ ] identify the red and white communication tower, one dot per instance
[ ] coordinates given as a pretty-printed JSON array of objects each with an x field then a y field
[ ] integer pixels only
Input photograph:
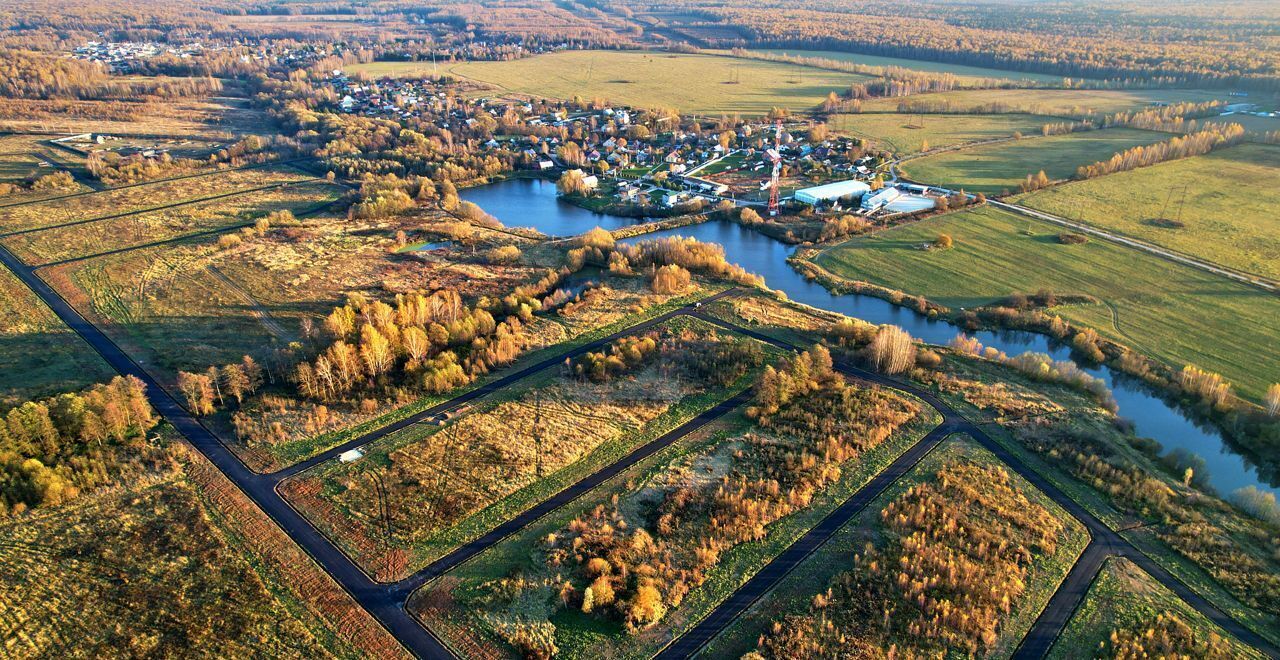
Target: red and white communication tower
[{"x": 775, "y": 156}]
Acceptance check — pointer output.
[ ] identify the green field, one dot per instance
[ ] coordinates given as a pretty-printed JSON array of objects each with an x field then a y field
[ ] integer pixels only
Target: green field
[
  {"x": 967, "y": 73},
  {"x": 905, "y": 134},
  {"x": 1173, "y": 313},
  {"x": 1124, "y": 597},
  {"x": 39, "y": 355},
  {"x": 1061, "y": 102},
  {"x": 1229, "y": 208},
  {"x": 793, "y": 595},
  {"x": 997, "y": 168},
  {"x": 689, "y": 83}
]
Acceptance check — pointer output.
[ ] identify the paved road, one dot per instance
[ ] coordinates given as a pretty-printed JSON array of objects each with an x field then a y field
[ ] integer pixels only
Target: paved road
[
  {"x": 387, "y": 602},
  {"x": 1105, "y": 542}
]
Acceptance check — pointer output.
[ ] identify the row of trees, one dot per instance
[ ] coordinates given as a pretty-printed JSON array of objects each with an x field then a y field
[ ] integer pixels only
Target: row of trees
[{"x": 1208, "y": 138}]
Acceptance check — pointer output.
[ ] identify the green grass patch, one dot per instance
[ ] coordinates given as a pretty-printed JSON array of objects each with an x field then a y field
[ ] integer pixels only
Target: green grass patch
[
  {"x": 907, "y": 134},
  {"x": 39, "y": 354},
  {"x": 1123, "y": 597},
  {"x": 689, "y": 83},
  {"x": 1174, "y": 313},
  {"x": 999, "y": 168},
  {"x": 1055, "y": 102},
  {"x": 1222, "y": 207},
  {"x": 967, "y": 74}
]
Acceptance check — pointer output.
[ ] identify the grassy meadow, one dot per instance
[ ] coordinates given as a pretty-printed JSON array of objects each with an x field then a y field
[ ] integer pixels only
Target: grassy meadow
[
  {"x": 708, "y": 84},
  {"x": 78, "y": 241},
  {"x": 1173, "y": 313},
  {"x": 1123, "y": 597},
  {"x": 906, "y": 134},
  {"x": 793, "y": 596},
  {"x": 965, "y": 73},
  {"x": 140, "y": 198},
  {"x": 998, "y": 168},
  {"x": 1226, "y": 200},
  {"x": 1054, "y": 102},
  {"x": 39, "y": 354}
]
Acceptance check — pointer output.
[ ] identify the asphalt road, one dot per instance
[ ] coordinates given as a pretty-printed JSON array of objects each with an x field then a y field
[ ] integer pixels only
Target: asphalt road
[
  {"x": 386, "y": 602},
  {"x": 1070, "y": 593}
]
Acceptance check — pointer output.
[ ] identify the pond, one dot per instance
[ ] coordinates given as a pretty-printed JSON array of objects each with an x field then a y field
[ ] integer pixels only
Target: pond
[
  {"x": 533, "y": 203},
  {"x": 530, "y": 203}
]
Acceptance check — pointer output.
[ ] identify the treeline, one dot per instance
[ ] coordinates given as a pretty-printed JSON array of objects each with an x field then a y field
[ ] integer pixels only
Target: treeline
[
  {"x": 951, "y": 568},
  {"x": 31, "y": 75},
  {"x": 53, "y": 449},
  {"x": 1202, "y": 141}
]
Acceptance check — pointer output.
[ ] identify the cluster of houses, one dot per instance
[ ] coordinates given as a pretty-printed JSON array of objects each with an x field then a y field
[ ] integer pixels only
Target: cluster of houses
[{"x": 121, "y": 56}]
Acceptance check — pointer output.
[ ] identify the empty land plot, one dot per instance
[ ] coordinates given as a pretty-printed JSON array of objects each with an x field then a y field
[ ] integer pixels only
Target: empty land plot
[
  {"x": 1173, "y": 313},
  {"x": 689, "y": 83},
  {"x": 39, "y": 355},
  {"x": 999, "y": 168},
  {"x": 1220, "y": 207},
  {"x": 901, "y": 574},
  {"x": 433, "y": 488},
  {"x": 648, "y": 554},
  {"x": 16, "y": 167},
  {"x": 1127, "y": 612},
  {"x": 1054, "y": 102},
  {"x": 906, "y": 134},
  {"x": 967, "y": 74},
  {"x": 95, "y": 238},
  {"x": 181, "y": 116},
  {"x": 75, "y": 576},
  {"x": 139, "y": 198}
]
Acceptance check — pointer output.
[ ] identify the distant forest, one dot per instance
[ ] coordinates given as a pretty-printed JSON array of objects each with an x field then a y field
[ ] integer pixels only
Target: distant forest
[{"x": 1216, "y": 43}]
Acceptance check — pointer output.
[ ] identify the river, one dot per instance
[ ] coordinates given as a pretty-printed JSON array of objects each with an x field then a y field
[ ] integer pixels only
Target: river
[{"x": 526, "y": 203}]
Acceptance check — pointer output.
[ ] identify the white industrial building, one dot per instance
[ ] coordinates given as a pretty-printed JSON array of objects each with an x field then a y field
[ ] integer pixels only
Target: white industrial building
[
  {"x": 832, "y": 191},
  {"x": 882, "y": 197}
]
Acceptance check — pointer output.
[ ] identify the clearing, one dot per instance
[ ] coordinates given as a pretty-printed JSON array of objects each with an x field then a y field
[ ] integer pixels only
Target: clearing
[
  {"x": 1054, "y": 102},
  {"x": 905, "y": 134},
  {"x": 999, "y": 168},
  {"x": 39, "y": 354},
  {"x": 688, "y": 83},
  {"x": 1219, "y": 207},
  {"x": 968, "y": 74},
  {"x": 1174, "y": 313}
]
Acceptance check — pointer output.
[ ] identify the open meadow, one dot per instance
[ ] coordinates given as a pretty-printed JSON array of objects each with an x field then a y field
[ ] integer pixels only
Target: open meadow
[
  {"x": 1219, "y": 207},
  {"x": 80, "y": 240},
  {"x": 647, "y": 554},
  {"x": 39, "y": 354},
  {"x": 1051, "y": 102},
  {"x": 864, "y": 587},
  {"x": 692, "y": 84},
  {"x": 1173, "y": 313},
  {"x": 967, "y": 74},
  {"x": 424, "y": 490},
  {"x": 1126, "y": 609},
  {"x": 155, "y": 195},
  {"x": 907, "y": 134},
  {"x": 999, "y": 168}
]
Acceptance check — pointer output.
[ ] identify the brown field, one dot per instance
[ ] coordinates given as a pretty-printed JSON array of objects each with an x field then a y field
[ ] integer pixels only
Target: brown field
[
  {"x": 159, "y": 193},
  {"x": 84, "y": 240}
]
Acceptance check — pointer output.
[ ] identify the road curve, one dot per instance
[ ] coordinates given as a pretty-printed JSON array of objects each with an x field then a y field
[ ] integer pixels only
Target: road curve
[{"x": 1105, "y": 541}]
